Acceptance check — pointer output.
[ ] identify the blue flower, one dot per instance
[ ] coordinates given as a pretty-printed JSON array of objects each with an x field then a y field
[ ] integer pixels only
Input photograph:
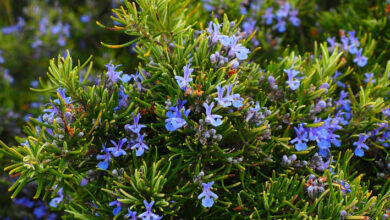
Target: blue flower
[
  {"x": 183, "y": 81},
  {"x": 332, "y": 43},
  {"x": 291, "y": 82},
  {"x": 293, "y": 18},
  {"x": 14, "y": 28},
  {"x": 215, "y": 120},
  {"x": 117, "y": 209},
  {"x": 283, "y": 10},
  {"x": 301, "y": 138},
  {"x": 369, "y": 77},
  {"x": 1, "y": 57},
  {"x": 360, "y": 145},
  {"x": 213, "y": 29},
  {"x": 345, "y": 41},
  {"x": 132, "y": 215},
  {"x": 148, "y": 214},
  {"x": 106, "y": 157},
  {"x": 117, "y": 150},
  {"x": 207, "y": 195},
  {"x": 112, "y": 74},
  {"x": 236, "y": 50},
  {"x": 40, "y": 210},
  {"x": 359, "y": 59},
  {"x": 85, "y": 18},
  {"x": 122, "y": 99},
  {"x": 220, "y": 99},
  {"x": 175, "y": 120},
  {"x": 57, "y": 200},
  {"x": 136, "y": 127},
  {"x": 24, "y": 201},
  {"x": 281, "y": 25},
  {"x": 268, "y": 16},
  {"x": 140, "y": 146},
  {"x": 344, "y": 187},
  {"x": 235, "y": 99}
]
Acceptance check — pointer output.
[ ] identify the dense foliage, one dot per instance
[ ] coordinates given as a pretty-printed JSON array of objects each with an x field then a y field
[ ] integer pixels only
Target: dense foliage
[{"x": 225, "y": 109}]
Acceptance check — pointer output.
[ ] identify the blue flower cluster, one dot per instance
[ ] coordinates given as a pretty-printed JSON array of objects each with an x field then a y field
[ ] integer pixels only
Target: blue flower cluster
[
  {"x": 350, "y": 44},
  {"x": 283, "y": 15}
]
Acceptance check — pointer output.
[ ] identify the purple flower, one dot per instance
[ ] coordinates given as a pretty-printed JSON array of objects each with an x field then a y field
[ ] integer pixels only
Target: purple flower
[
  {"x": 106, "y": 157},
  {"x": 207, "y": 195},
  {"x": 332, "y": 43},
  {"x": 183, "y": 81},
  {"x": 293, "y": 18},
  {"x": 117, "y": 150},
  {"x": 214, "y": 120},
  {"x": 175, "y": 119},
  {"x": 236, "y": 50},
  {"x": 57, "y": 200},
  {"x": 344, "y": 187},
  {"x": 291, "y": 82},
  {"x": 140, "y": 146},
  {"x": 148, "y": 214},
  {"x": 122, "y": 99},
  {"x": 345, "y": 41},
  {"x": 359, "y": 59},
  {"x": 136, "y": 127},
  {"x": 281, "y": 25},
  {"x": 360, "y": 145},
  {"x": 213, "y": 29},
  {"x": 325, "y": 86},
  {"x": 132, "y": 215},
  {"x": 62, "y": 94},
  {"x": 117, "y": 209},
  {"x": 369, "y": 77},
  {"x": 268, "y": 16},
  {"x": 112, "y": 74},
  {"x": 40, "y": 210},
  {"x": 301, "y": 138},
  {"x": 85, "y": 18},
  {"x": 24, "y": 201},
  {"x": 1, "y": 57},
  {"x": 7, "y": 77},
  {"x": 220, "y": 99},
  {"x": 235, "y": 99},
  {"x": 14, "y": 28},
  {"x": 283, "y": 11}
]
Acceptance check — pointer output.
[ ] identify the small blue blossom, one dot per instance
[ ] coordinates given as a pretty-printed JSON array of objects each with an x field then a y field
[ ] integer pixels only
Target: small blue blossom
[
  {"x": 1, "y": 57},
  {"x": 236, "y": 50},
  {"x": 369, "y": 77},
  {"x": 283, "y": 10},
  {"x": 292, "y": 82},
  {"x": 24, "y": 201},
  {"x": 57, "y": 200},
  {"x": 213, "y": 30},
  {"x": 214, "y": 120},
  {"x": 122, "y": 99},
  {"x": 175, "y": 119},
  {"x": 148, "y": 214},
  {"x": 301, "y": 139},
  {"x": 112, "y": 74},
  {"x": 220, "y": 99},
  {"x": 118, "y": 207},
  {"x": 183, "y": 81},
  {"x": 293, "y": 18},
  {"x": 117, "y": 150},
  {"x": 269, "y": 16},
  {"x": 14, "y": 28},
  {"x": 140, "y": 146},
  {"x": 61, "y": 93},
  {"x": 85, "y": 18},
  {"x": 344, "y": 187},
  {"x": 136, "y": 127},
  {"x": 131, "y": 215},
  {"x": 207, "y": 195},
  {"x": 331, "y": 42},
  {"x": 40, "y": 210},
  {"x": 281, "y": 25},
  {"x": 360, "y": 60},
  {"x": 360, "y": 145}
]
